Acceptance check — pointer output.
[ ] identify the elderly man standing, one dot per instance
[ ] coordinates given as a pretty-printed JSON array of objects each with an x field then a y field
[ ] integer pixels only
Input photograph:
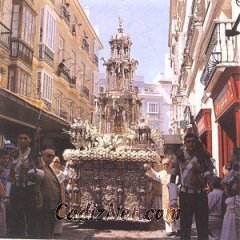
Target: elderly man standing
[
  {"x": 172, "y": 227},
  {"x": 50, "y": 190},
  {"x": 194, "y": 167}
]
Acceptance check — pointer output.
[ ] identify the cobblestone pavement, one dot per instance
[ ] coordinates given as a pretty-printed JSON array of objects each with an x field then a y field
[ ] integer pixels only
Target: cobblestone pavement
[{"x": 119, "y": 231}]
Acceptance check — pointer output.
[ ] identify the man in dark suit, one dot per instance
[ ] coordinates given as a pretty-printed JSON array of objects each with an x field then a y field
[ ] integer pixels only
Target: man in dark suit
[{"x": 50, "y": 191}]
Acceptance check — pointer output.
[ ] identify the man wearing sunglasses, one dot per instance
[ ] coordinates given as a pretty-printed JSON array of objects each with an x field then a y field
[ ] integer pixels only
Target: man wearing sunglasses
[
  {"x": 193, "y": 166},
  {"x": 50, "y": 191}
]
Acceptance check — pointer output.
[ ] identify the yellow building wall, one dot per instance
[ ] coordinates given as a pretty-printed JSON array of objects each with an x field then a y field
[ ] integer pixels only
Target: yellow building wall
[{"x": 82, "y": 104}]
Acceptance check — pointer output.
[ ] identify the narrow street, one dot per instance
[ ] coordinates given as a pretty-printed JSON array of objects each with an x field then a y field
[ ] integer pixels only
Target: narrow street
[
  {"x": 120, "y": 231},
  {"x": 116, "y": 116}
]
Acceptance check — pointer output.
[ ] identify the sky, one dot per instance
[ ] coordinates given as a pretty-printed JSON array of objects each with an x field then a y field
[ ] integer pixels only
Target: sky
[{"x": 145, "y": 21}]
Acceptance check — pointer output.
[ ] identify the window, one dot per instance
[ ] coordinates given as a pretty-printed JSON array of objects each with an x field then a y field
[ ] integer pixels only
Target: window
[
  {"x": 65, "y": 14},
  {"x": 14, "y": 49},
  {"x": 153, "y": 109},
  {"x": 28, "y": 26},
  {"x": 20, "y": 82},
  {"x": 11, "y": 79},
  {"x": 26, "y": 20},
  {"x": 47, "y": 37},
  {"x": 85, "y": 45},
  {"x": 15, "y": 21},
  {"x": 46, "y": 82},
  {"x": 23, "y": 32},
  {"x": 48, "y": 29},
  {"x": 24, "y": 83}
]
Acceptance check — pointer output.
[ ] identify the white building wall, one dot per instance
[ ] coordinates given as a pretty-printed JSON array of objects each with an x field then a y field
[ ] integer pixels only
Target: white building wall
[{"x": 215, "y": 149}]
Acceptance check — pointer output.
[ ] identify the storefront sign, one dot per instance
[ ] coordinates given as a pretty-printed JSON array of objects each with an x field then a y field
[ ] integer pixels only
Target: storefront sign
[
  {"x": 203, "y": 121},
  {"x": 223, "y": 99}
]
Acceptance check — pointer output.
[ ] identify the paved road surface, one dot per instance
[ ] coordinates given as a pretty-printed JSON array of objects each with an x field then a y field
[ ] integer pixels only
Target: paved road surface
[{"x": 119, "y": 231}]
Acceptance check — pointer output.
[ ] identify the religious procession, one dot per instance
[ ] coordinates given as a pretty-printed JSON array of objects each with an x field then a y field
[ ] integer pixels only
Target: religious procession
[{"x": 95, "y": 144}]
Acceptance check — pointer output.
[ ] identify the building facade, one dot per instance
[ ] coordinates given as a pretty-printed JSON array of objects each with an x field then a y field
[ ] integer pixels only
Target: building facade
[
  {"x": 49, "y": 62},
  {"x": 206, "y": 64},
  {"x": 156, "y": 104}
]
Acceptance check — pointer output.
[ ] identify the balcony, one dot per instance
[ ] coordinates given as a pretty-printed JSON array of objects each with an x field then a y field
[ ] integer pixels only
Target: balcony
[
  {"x": 5, "y": 34},
  {"x": 95, "y": 59},
  {"x": 222, "y": 51},
  {"x": 73, "y": 82},
  {"x": 65, "y": 15},
  {"x": 46, "y": 54},
  {"x": 22, "y": 51},
  {"x": 93, "y": 100},
  {"x": 85, "y": 45},
  {"x": 63, "y": 114},
  {"x": 85, "y": 91},
  {"x": 64, "y": 72}
]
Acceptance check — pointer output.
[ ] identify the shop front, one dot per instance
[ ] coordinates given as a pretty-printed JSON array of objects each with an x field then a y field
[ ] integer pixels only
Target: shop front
[
  {"x": 204, "y": 127},
  {"x": 226, "y": 101}
]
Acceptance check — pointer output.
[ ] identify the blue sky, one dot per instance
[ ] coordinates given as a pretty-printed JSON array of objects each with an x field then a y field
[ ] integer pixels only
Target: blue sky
[{"x": 146, "y": 21}]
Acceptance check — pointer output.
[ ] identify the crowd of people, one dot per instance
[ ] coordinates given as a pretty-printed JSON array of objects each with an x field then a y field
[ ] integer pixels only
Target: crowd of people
[
  {"x": 200, "y": 194},
  {"x": 29, "y": 196}
]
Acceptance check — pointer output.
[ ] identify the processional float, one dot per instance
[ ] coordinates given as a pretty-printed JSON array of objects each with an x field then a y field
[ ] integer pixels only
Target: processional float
[{"x": 109, "y": 157}]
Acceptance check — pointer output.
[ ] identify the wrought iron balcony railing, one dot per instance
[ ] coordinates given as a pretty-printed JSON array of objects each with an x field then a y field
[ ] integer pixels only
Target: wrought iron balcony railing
[
  {"x": 95, "y": 59},
  {"x": 64, "y": 72},
  {"x": 46, "y": 54},
  {"x": 65, "y": 15},
  {"x": 63, "y": 113},
  {"x": 93, "y": 100},
  {"x": 5, "y": 34},
  {"x": 85, "y": 92},
  {"x": 221, "y": 51},
  {"x": 22, "y": 51},
  {"x": 85, "y": 45}
]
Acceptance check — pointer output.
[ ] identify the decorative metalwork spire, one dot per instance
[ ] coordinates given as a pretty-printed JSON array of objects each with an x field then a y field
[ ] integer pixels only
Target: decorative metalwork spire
[
  {"x": 120, "y": 29},
  {"x": 119, "y": 104}
]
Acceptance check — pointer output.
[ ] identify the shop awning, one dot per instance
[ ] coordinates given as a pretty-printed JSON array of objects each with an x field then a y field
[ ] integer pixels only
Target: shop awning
[{"x": 16, "y": 112}]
